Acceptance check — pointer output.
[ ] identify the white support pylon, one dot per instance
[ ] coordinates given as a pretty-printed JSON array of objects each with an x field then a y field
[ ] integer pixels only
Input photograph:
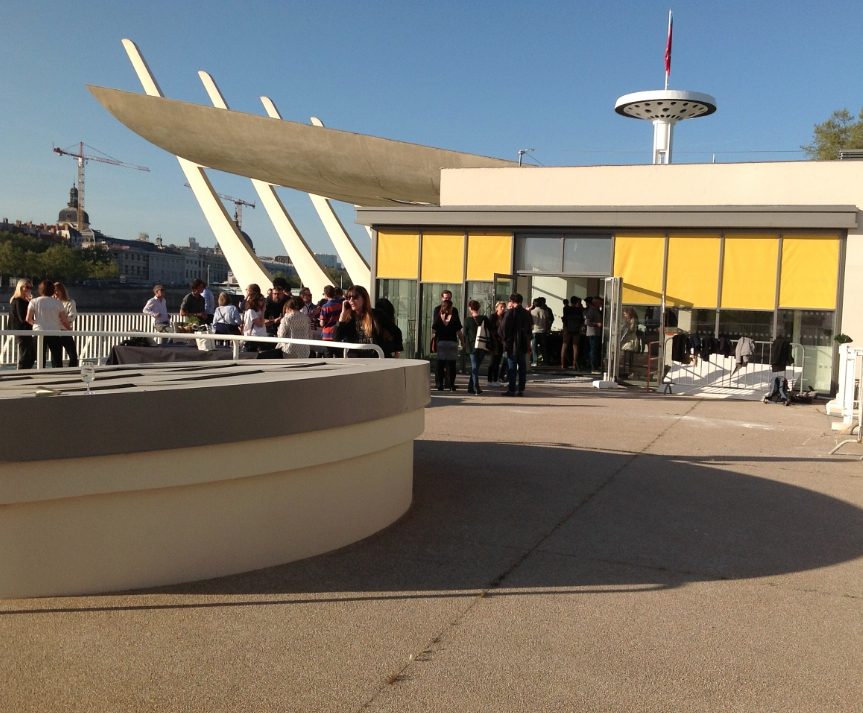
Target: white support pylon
[
  {"x": 245, "y": 265},
  {"x": 352, "y": 259},
  {"x": 311, "y": 272}
]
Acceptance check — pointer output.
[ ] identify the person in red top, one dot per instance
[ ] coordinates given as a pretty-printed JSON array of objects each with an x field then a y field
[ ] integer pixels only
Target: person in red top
[{"x": 329, "y": 313}]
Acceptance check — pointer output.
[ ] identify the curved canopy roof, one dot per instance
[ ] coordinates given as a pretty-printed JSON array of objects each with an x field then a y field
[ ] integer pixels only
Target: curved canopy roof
[{"x": 357, "y": 168}]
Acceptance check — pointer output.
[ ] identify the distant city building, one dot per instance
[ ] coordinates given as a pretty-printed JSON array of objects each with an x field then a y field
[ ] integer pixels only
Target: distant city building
[
  {"x": 68, "y": 217},
  {"x": 329, "y": 260}
]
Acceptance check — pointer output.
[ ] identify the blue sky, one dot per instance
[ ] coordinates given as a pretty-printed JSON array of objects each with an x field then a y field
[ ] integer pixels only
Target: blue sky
[{"x": 483, "y": 77}]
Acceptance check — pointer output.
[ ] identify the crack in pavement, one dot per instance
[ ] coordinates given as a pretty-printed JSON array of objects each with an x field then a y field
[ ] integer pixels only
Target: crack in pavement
[{"x": 425, "y": 653}]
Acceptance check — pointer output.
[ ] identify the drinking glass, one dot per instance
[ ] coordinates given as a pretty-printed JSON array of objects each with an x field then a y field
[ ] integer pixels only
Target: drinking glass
[{"x": 88, "y": 374}]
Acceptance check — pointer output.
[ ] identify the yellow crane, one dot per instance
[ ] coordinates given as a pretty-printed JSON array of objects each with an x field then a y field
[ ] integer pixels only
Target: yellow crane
[{"x": 82, "y": 160}]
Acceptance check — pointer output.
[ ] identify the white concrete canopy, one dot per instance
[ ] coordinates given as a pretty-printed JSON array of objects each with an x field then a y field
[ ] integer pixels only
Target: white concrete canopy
[
  {"x": 355, "y": 168},
  {"x": 311, "y": 272},
  {"x": 245, "y": 265}
]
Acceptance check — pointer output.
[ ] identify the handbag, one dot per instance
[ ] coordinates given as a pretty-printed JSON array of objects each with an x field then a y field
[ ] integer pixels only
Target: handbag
[
  {"x": 433, "y": 345},
  {"x": 483, "y": 339}
]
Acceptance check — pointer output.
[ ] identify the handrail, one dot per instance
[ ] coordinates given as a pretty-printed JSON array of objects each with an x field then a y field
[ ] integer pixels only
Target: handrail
[
  {"x": 650, "y": 370},
  {"x": 724, "y": 379},
  {"x": 856, "y": 360},
  {"x": 40, "y": 343}
]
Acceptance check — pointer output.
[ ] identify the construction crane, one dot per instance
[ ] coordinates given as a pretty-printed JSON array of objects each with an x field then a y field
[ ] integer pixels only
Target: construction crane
[
  {"x": 238, "y": 202},
  {"x": 82, "y": 160}
]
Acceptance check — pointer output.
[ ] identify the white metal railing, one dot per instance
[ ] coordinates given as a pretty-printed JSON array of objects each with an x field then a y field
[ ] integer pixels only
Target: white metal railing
[
  {"x": 89, "y": 347},
  {"x": 850, "y": 372},
  {"x": 847, "y": 401},
  {"x": 721, "y": 372},
  {"x": 115, "y": 338}
]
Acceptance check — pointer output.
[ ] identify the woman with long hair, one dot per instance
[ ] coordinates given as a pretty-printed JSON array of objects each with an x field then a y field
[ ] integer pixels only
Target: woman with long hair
[
  {"x": 447, "y": 332},
  {"x": 18, "y": 321},
  {"x": 630, "y": 341},
  {"x": 253, "y": 320},
  {"x": 71, "y": 313},
  {"x": 360, "y": 324},
  {"x": 294, "y": 325}
]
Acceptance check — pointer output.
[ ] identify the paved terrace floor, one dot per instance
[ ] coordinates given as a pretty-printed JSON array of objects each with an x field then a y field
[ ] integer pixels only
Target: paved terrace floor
[{"x": 573, "y": 550}]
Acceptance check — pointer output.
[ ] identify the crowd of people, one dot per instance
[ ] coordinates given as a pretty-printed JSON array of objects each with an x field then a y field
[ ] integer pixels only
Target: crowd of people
[
  {"x": 513, "y": 335},
  {"x": 52, "y": 310},
  {"x": 339, "y": 316}
]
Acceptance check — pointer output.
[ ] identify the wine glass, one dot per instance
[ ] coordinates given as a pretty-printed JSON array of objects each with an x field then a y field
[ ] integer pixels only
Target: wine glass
[{"x": 88, "y": 374}]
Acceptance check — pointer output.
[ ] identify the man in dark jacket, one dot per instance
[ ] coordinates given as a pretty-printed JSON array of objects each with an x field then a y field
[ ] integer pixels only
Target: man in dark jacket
[{"x": 515, "y": 332}]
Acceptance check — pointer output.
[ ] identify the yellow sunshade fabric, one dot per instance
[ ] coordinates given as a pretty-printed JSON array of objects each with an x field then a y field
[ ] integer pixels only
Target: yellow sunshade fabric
[
  {"x": 810, "y": 267},
  {"x": 398, "y": 255},
  {"x": 443, "y": 257},
  {"x": 692, "y": 273},
  {"x": 749, "y": 271},
  {"x": 488, "y": 253},
  {"x": 638, "y": 260}
]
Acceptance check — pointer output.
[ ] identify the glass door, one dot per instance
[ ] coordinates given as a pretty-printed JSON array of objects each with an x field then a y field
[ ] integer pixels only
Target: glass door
[
  {"x": 504, "y": 286},
  {"x": 613, "y": 324}
]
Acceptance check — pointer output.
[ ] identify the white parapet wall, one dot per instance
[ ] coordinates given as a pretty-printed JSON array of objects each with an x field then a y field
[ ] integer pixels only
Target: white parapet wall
[{"x": 171, "y": 474}]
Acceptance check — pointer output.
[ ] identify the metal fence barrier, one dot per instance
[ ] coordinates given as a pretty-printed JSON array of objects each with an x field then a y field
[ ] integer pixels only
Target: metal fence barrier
[
  {"x": 114, "y": 338},
  {"x": 89, "y": 347},
  {"x": 719, "y": 372}
]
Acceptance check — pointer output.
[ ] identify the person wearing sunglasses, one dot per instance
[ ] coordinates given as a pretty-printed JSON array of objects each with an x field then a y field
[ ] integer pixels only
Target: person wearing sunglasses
[
  {"x": 360, "y": 324},
  {"x": 18, "y": 320}
]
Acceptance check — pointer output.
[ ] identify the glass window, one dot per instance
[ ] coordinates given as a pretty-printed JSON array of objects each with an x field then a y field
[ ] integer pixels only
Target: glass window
[
  {"x": 813, "y": 329},
  {"x": 692, "y": 321},
  {"x": 588, "y": 255},
  {"x": 755, "y": 324},
  {"x": 482, "y": 292},
  {"x": 403, "y": 295},
  {"x": 537, "y": 254}
]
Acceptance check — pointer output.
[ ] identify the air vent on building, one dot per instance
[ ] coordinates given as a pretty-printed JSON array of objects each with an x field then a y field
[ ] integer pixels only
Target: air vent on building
[{"x": 851, "y": 155}]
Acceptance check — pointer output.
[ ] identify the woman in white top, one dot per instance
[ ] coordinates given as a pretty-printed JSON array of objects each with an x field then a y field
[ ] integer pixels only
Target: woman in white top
[
  {"x": 226, "y": 319},
  {"x": 71, "y": 313},
  {"x": 45, "y": 313},
  {"x": 253, "y": 322},
  {"x": 294, "y": 325}
]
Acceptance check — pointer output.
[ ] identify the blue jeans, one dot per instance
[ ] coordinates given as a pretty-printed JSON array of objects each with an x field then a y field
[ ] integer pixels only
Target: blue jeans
[
  {"x": 517, "y": 362},
  {"x": 475, "y": 363},
  {"x": 538, "y": 347},
  {"x": 595, "y": 342}
]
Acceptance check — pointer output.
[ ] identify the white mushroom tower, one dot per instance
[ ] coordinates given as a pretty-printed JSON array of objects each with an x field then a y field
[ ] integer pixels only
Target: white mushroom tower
[{"x": 665, "y": 107}]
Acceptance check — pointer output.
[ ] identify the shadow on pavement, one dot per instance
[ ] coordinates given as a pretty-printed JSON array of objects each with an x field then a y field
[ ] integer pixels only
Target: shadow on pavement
[
  {"x": 586, "y": 520},
  {"x": 481, "y": 507}
]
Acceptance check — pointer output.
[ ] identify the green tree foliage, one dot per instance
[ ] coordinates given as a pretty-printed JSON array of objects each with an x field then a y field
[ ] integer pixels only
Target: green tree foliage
[
  {"x": 29, "y": 256},
  {"x": 839, "y": 132},
  {"x": 339, "y": 277},
  {"x": 293, "y": 280}
]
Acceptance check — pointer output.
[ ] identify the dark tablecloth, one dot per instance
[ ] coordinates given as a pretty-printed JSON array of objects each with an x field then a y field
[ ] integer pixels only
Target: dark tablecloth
[{"x": 181, "y": 352}]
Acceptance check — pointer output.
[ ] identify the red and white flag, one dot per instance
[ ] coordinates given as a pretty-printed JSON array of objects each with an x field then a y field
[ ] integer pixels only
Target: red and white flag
[{"x": 668, "y": 45}]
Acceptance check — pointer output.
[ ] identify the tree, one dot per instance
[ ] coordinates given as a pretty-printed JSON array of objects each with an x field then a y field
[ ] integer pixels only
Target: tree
[
  {"x": 100, "y": 265},
  {"x": 60, "y": 262},
  {"x": 839, "y": 132},
  {"x": 293, "y": 280},
  {"x": 339, "y": 277}
]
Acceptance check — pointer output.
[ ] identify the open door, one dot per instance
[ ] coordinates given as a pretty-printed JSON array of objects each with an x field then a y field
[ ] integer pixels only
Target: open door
[{"x": 613, "y": 325}]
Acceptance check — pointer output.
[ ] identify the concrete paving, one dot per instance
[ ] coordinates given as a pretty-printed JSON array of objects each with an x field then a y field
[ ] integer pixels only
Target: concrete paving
[{"x": 570, "y": 550}]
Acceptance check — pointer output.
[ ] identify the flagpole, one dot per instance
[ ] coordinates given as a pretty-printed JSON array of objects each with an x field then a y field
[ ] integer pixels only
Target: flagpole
[{"x": 668, "y": 52}]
